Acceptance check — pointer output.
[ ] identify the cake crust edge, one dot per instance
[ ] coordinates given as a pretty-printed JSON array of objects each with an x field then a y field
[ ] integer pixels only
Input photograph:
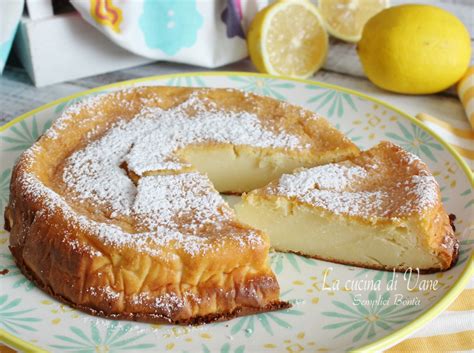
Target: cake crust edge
[{"x": 148, "y": 318}]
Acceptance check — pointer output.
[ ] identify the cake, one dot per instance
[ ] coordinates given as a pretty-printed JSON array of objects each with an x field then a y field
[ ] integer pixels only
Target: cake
[
  {"x": 116, "y": 209},
  {"x": 381, "y": 209}
]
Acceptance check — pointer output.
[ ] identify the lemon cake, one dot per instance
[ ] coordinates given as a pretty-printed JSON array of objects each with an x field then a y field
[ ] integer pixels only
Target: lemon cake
[
  {"x": 116, "y": 208},
  {"x": 381, "y": 210}
]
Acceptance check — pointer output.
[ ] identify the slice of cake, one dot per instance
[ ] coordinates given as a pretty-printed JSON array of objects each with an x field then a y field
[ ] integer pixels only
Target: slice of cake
[{"x": 381, "y": 210}]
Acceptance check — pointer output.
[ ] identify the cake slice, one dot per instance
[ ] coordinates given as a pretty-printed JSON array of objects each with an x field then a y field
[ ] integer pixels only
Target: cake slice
[{"x": 380, "y": 210}]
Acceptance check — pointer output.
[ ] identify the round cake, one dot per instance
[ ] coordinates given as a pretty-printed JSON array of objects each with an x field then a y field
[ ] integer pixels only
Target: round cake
[{"x": 116, "y": 209}]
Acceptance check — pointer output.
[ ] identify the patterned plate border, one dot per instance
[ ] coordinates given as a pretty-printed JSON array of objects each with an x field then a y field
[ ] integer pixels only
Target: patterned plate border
[{"x": 380, "y": 344}]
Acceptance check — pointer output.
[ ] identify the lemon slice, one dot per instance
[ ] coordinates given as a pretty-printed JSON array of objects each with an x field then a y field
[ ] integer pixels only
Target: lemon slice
[
  {"x": 288, "y": 38},
  {"x": 345, "y": 19}
]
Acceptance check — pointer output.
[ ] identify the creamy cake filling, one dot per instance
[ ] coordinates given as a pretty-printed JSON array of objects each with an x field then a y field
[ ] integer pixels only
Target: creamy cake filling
[
  {"x": 305, "y": 230},
  {"x": 373, "y": 210},
  {"x": 149, "y": 143}
]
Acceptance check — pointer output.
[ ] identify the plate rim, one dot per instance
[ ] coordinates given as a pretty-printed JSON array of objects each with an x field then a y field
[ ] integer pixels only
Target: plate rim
[{"x": 383, "y": 342}]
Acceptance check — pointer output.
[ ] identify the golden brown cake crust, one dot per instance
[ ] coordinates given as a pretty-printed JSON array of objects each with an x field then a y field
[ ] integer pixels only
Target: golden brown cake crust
[
  {"x": 71, "y": 238},
  {"x": 151, "y": 318}
]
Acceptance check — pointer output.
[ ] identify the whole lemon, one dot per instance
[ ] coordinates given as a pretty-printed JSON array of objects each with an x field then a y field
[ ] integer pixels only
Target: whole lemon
[{"x": 414, "y": 49}]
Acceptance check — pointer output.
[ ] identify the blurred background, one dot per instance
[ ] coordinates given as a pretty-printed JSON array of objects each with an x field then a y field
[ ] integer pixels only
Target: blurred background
[{"x": 63, "y": 47}]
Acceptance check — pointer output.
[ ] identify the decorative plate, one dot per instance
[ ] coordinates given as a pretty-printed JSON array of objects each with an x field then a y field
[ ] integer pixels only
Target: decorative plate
[{"x": 335, "y": 307}]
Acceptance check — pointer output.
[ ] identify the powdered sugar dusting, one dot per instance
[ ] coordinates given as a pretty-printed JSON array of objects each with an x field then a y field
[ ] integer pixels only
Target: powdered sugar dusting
[
  {"x": 166, "y": 210},
  {"x": 162, "y": 200},
  {"x": 173, "y": 129},
  {"x": 61, "y": 123},
  {"x": 354, "y": 190},
  {"x": 330, "y": 176},
  {"x": 150, "y": 242},
  {"x": 326, "y": 186},
  {"x": 149, "y": 142},
  {"x": 94, "y": 173},
  {"x": 422, "y": 191},
  {"x": 166, "y": 302}
]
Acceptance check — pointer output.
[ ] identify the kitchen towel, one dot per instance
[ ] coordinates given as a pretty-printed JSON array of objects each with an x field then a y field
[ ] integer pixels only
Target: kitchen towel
[{"x": 198, "y": 32}]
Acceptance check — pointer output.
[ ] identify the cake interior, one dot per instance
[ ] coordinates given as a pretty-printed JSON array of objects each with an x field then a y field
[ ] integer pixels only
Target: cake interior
[
  {"x": 238, "y": 169},
  {"x": 315, "y": 233},
  {"x": 381, "y": 209}
]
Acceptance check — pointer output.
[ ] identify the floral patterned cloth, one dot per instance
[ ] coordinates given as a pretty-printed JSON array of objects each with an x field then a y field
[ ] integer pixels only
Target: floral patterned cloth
[
  {"x": 203, "y": 33},
  {"x": 10, "y": 12}
]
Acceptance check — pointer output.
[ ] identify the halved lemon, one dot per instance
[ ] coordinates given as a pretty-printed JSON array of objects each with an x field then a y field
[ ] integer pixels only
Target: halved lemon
[
  {"x": 288, "y": 38},
  {"x": 345, "y": 19}
]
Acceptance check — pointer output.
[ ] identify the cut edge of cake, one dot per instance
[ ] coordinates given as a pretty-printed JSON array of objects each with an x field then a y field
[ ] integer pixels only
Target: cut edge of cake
[{"x": 379, "y": 210}]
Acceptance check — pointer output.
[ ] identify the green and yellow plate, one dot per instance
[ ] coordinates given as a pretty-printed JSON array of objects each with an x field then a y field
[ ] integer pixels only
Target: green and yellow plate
[{"x": 335, "y": 307}]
